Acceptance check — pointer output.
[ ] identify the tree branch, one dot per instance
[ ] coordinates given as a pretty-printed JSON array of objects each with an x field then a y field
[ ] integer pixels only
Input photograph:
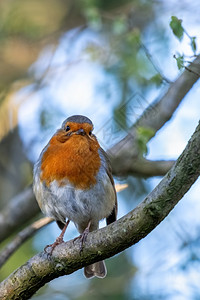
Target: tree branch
[
  {"x": 19, "y": 210},
  {"x": 156, "y": 115},
  {"x": 21, "y": 237},
  {"x": 116, "y": 237},
  {"x": 155, "y": 65},
  {"x": 142, "y": 167}
]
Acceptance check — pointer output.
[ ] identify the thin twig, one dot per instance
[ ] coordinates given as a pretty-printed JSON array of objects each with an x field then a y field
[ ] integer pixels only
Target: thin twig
[{"x": 149, "y": 56}]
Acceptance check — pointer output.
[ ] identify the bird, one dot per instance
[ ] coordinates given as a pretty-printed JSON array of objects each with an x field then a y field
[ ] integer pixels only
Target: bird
[{"x": 72, "y": 181}]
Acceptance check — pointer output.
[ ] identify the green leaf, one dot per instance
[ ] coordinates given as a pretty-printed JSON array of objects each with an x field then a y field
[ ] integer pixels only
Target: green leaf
[
  {"x": 193, "y": 44},
  {"x": 156, "y": 79},
  {"x": 143, "y": 136},
  {"x": 176, "y": 26},
  {"x": 179, "y": 61}
]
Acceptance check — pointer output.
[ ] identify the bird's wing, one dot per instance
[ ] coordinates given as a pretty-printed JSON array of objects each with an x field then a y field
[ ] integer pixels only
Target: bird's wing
[{"x": 113, "y": 216}]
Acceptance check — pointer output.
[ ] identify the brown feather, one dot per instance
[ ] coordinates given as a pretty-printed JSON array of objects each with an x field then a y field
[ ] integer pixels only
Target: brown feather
[{"x": 113, "y": 216}]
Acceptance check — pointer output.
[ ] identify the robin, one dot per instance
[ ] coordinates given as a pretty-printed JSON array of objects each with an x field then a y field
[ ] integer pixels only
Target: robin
[{"x": 73, "y": 182}]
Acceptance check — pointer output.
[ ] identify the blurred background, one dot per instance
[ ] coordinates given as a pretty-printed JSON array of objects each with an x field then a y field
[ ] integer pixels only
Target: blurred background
[{"x": 64, "y": 57}]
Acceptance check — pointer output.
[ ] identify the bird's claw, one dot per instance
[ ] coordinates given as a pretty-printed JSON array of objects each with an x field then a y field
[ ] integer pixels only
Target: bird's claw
[
  {"x": 57, "y": 242},
  {"x": 83, "y": 238}
]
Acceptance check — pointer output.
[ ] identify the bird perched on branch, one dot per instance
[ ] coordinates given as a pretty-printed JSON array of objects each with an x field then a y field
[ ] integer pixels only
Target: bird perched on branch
[{"x": 73, "y": 182}]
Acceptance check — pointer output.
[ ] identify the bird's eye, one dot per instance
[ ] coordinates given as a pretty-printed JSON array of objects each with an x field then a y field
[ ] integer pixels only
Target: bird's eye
[
  {"x": 90, "y": 133},
  {"x": 67, "y": 128}
]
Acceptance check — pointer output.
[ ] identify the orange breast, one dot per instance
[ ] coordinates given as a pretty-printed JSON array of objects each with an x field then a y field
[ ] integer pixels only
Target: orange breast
[{"x": 76, "y": 160}]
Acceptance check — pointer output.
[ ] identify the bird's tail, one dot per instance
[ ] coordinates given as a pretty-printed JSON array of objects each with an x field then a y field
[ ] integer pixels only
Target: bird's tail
[{"x": 97, "y": 269}]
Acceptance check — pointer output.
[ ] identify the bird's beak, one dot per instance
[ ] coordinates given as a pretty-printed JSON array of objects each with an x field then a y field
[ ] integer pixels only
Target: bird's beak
[{"x": 81, "y": 131}]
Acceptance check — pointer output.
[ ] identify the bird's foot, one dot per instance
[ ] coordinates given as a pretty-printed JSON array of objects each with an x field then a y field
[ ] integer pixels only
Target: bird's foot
[
  {"x": 57, "y": 242},
  {"x": 83, "y": 237}
]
